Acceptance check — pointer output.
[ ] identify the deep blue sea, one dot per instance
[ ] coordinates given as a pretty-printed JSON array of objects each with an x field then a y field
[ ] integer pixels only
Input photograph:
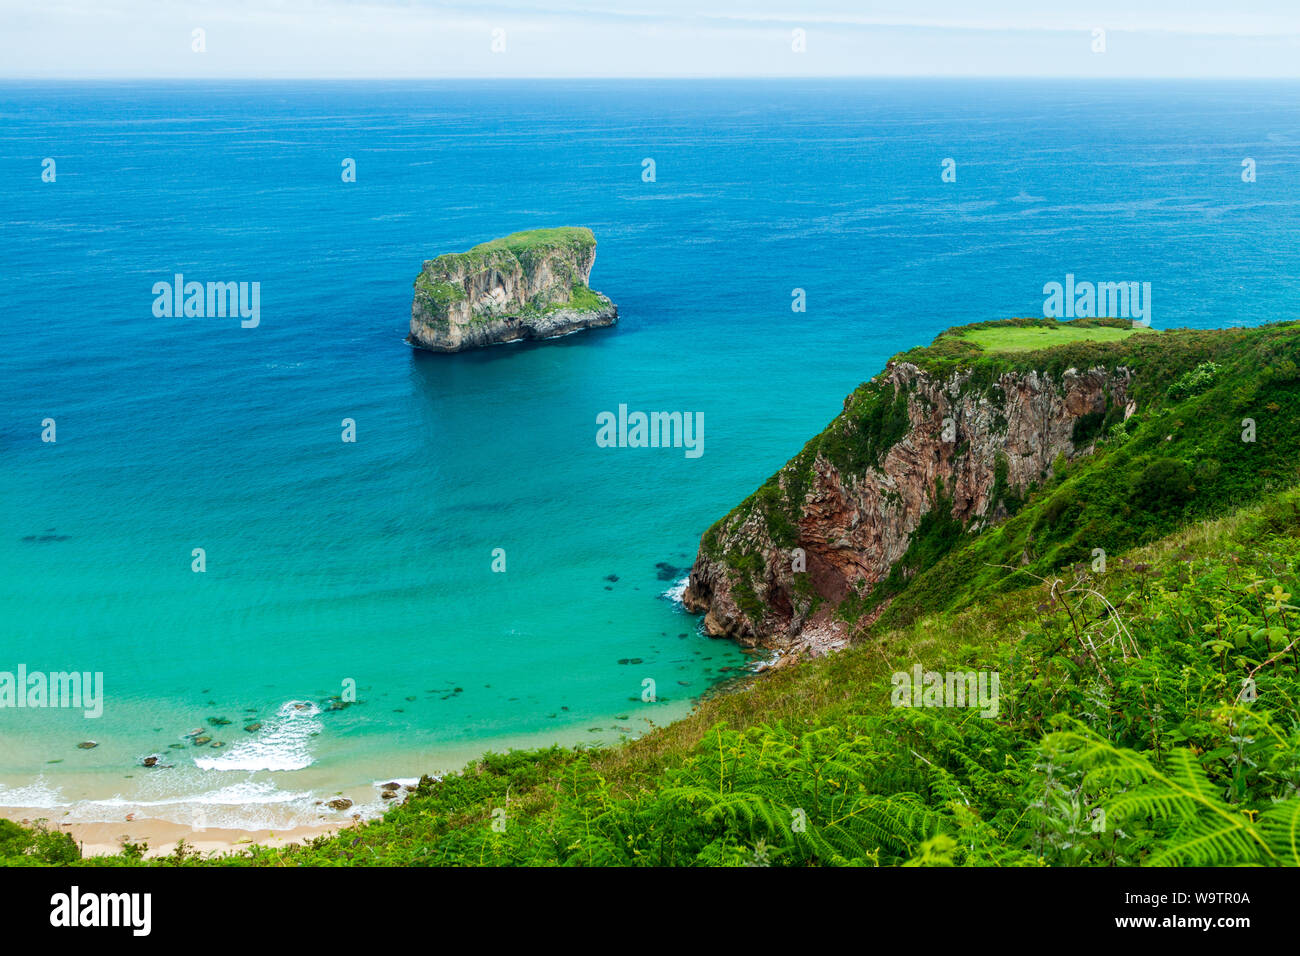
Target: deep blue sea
[{"x": 329, "y": 562}]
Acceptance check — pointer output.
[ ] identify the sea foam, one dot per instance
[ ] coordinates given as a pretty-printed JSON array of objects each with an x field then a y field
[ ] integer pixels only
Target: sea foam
[
  {"x": 677, "y": 591},
  {"x": 283, "y": 743}
]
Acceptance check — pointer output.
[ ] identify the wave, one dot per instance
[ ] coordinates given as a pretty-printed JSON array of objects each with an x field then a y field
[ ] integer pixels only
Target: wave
[
  {"x": 676, "y": 591},
  {"x": 204, "y": 796},
  {"x": 401, "y": 781},
  {"x": 37, "y": 795},
  {"x": 283, "y": 743},
  {"x": 247, "y": 805}
]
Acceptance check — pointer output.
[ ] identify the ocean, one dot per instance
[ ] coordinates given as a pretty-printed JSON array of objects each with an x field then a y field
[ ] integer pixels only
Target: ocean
[{"x": 332, "y": 565}]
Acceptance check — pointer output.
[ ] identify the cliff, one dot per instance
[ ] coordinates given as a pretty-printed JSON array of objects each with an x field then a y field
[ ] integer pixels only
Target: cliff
[
  {"x": 919, "y": 457},
  {"x": 528, "y": 285}
]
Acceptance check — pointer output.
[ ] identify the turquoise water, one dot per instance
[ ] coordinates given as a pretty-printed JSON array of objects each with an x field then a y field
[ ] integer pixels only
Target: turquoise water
[{"x": 372, "y": 561}]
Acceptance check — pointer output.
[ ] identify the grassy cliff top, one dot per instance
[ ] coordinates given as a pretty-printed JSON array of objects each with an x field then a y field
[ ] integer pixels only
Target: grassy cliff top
[
  {"x": 560, "y": 237},
  {"x": 1043, "y": 335},
  {"x": 527, "y": 247},
  {"x": 1049, "y": 346}
]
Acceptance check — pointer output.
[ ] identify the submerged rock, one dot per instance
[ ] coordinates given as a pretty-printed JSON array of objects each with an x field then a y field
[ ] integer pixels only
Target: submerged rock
[
  {"x": 666, "y": 572},
  {"x": 529, "y": 285},
  {"x": 341, "y": 803}
]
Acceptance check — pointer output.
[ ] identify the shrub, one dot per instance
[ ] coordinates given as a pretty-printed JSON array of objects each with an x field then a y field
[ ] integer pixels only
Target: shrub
[
  {"x": 1164, "y": 483},
  {"x": 1193, "y": 382}
]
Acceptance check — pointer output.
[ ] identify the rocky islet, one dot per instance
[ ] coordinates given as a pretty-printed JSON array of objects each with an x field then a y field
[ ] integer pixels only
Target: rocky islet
[{"x": 527, "y": 285}]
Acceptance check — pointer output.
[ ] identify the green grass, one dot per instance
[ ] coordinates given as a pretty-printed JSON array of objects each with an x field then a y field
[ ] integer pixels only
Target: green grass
[
  {"x": 521, "y": 244},
  {"x": 526, "y": 248},
  {"x": 581, "y": 298},
  {"x": 437, "y": 297},
  {"x": 1032, "y": 338}
]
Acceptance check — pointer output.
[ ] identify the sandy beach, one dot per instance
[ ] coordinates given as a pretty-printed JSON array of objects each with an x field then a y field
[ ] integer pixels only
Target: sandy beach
[{"x": 162, "y": 836}]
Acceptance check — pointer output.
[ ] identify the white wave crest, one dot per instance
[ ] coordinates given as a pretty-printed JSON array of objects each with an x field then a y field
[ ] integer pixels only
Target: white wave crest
[
  {"x": 283, "y": 742},
  {"x": 677, "y": 590}
]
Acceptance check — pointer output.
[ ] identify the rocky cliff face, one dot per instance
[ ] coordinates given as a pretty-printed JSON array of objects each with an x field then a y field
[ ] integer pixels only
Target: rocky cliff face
[
  {"x": 839, "y": 517},
  {"x": 529, "y": 285}
]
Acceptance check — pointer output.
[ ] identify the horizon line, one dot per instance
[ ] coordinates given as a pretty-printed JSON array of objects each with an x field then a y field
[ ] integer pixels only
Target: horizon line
[{"x": 1023, "y": 77}]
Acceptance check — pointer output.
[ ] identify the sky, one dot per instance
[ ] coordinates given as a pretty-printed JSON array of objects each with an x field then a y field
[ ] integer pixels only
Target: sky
[{"x": 78, "y": 39}]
